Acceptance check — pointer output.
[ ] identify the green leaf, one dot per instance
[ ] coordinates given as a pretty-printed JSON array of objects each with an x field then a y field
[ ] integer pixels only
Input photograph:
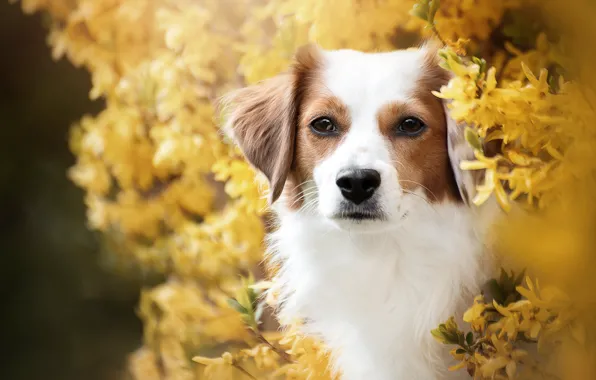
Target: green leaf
[
  {"x": 448, "y": 55},
  {"x": 421, "y": 10},
  {"x": 438, "y": 335},
  {"x": 444, "y": 63},
  {"x": 448, "y": 333},
  {"x": 460, "y": 351},
  {"x": 553, "y": 83},
  {"x": 470, "y": 338},
  {"x": 509, "y": 285},
  {"x": 451, "y": 325},
  {"x": 496, "y": 291},
  {"x": 520, "y": 278},
  {"x": 555, "y": 73},
  {"x": 481, "y": 62},
  {"x": 472, "y": 138},
  {"x": 461, "y": 339},
  {"x": 252, "y": 296},
  {"x": 522, "y": 26},
  {"x": 433, "y": 8},
  {"x": 503, "y": 278},
  {"x": 249, "y": 321},
  {"x": 236, "y": 306},
  {"x": 426, "y": 10},
  {"x": 504, "y": 291},
  {"x": 511, "y": 298}
]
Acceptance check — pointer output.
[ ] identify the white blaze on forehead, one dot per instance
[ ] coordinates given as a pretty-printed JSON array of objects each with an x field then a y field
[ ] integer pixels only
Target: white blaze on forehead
[
  {"x": 364, "y": 83},
  {"x": 367, "y": 81}
]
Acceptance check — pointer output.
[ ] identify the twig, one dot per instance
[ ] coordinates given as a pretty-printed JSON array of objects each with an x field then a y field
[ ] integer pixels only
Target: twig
[
  {"x": 241, "y": 369},
  {"x": 277, "y": 350},
  {"x": 438, "y": 35}
]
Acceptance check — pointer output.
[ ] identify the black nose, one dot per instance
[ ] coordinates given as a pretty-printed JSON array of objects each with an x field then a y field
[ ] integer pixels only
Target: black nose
[{"x": 358, "y": 185}]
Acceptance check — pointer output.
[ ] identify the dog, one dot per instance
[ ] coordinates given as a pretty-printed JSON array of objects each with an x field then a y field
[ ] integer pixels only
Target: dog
[{"x": 376, "y": 241}]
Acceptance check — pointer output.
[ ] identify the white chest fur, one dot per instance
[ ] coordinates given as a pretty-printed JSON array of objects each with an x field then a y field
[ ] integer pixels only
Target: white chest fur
[{"x": 373, "y": 298}]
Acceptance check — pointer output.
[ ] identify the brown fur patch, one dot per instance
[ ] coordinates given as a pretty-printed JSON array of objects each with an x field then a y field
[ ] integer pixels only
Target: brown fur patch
[
  {"x": 264, "y": 118},
  {"x": 423, "y": 161},
  {"x": 311, "y": 148},
  {"x": 262, "y": 123},
  {"x": 270, "y": 122},
  {"x": 316, "y": 101}
]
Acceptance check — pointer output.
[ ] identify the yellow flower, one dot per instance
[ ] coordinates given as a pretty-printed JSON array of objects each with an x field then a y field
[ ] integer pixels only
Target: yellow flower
[{"x": 475, "y": 315}]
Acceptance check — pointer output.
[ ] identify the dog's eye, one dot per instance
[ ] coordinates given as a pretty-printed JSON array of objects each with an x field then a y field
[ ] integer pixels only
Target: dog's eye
[
  {"x": 411, "y": 127},
  {"x": 324, "y": 126}
]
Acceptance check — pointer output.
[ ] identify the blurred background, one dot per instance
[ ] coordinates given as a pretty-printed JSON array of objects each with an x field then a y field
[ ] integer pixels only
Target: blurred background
[{"x": 65, "y": 315}]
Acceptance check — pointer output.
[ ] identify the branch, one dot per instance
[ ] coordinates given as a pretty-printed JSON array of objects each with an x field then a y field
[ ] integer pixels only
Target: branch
[
  {"x": 241, "y": 369},
  {"x": 284, "y": 355},
  {"x": 438, "y": 35}
]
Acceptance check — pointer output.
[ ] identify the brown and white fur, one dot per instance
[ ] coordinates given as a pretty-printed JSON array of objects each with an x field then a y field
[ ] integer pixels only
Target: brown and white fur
[{"x": 370, "y": 279}]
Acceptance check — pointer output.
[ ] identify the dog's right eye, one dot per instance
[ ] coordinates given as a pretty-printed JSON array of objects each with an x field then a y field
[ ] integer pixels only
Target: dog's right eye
[{"x": 324, "y": 126}]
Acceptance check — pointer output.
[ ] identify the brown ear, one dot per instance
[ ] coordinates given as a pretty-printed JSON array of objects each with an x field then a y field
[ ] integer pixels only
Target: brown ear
[
  {"x": 262, "y": 123},
  {"x": 262, "y": 120},
  {"x": 460, "y": 150}
]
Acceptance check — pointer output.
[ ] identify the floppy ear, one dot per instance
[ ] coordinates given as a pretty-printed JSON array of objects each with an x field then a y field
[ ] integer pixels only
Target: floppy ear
[
  {"x": 262, "y": 120},
  {"x": 433, "y": 79},
  {"x": 459, "y": 150}
]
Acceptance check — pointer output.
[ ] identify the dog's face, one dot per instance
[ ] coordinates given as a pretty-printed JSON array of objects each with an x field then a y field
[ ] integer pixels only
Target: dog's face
[{"x": 355, "y": 137}]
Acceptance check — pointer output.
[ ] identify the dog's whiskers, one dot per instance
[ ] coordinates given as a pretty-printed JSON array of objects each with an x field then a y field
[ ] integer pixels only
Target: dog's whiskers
[
  {"x": 398, "y": 162},
  {"x": 309, "y": 205},
  {"x": 304, "y": 195},
  {"x": 421, "y": 185}
]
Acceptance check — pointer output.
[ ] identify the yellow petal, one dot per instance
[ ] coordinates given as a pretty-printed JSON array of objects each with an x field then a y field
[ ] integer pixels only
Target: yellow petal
[
  {"x": 535, "y": 330},
  {"x": 481, "y": 197},
  {"x": 495, "y": 135},
  {"x": 492, "y": 365},
  {"x": 473, "y": 165},
  {"x": 517, "y": 158},
  {"x": 491, "y": 80},
  {"x": 531, "y": 77},
  {"x": 262, "y": 285},
  {"x": 458, "y": 366},
  {"x": 510, "y": 369},
  {"x": 501, "y": 309},
  {"x": 207, "y": 361},
  {"x": 474, "y": 312},
  {"x": 553, "y": 152},
  {"x": 501, "y": 196}
]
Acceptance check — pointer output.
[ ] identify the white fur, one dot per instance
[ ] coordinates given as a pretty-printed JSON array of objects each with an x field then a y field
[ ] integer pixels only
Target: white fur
[
  {"x": 373, "y": 290},
  {"x": 364, "y": 83}
]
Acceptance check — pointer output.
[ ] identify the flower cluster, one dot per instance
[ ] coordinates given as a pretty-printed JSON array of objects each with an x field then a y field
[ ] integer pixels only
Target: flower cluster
[
  {"x": 542, "y": 174},
  {"x": 506, "y": 335}
]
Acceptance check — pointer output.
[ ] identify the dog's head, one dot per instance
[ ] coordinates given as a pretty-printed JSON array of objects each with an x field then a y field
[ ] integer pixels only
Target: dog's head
[{"x": 353, "y": 137}]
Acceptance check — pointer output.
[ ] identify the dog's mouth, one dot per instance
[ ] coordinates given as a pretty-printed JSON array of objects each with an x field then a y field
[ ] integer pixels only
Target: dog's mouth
[
  {"x": 361, "y": 213},
  {"x": 360, "y": 216}
]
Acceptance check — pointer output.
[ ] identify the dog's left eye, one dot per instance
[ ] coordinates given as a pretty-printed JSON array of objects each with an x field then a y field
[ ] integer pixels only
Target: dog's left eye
[
  {"x": 411, "y": 127},
  {"x": 324, "y": 126}
]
